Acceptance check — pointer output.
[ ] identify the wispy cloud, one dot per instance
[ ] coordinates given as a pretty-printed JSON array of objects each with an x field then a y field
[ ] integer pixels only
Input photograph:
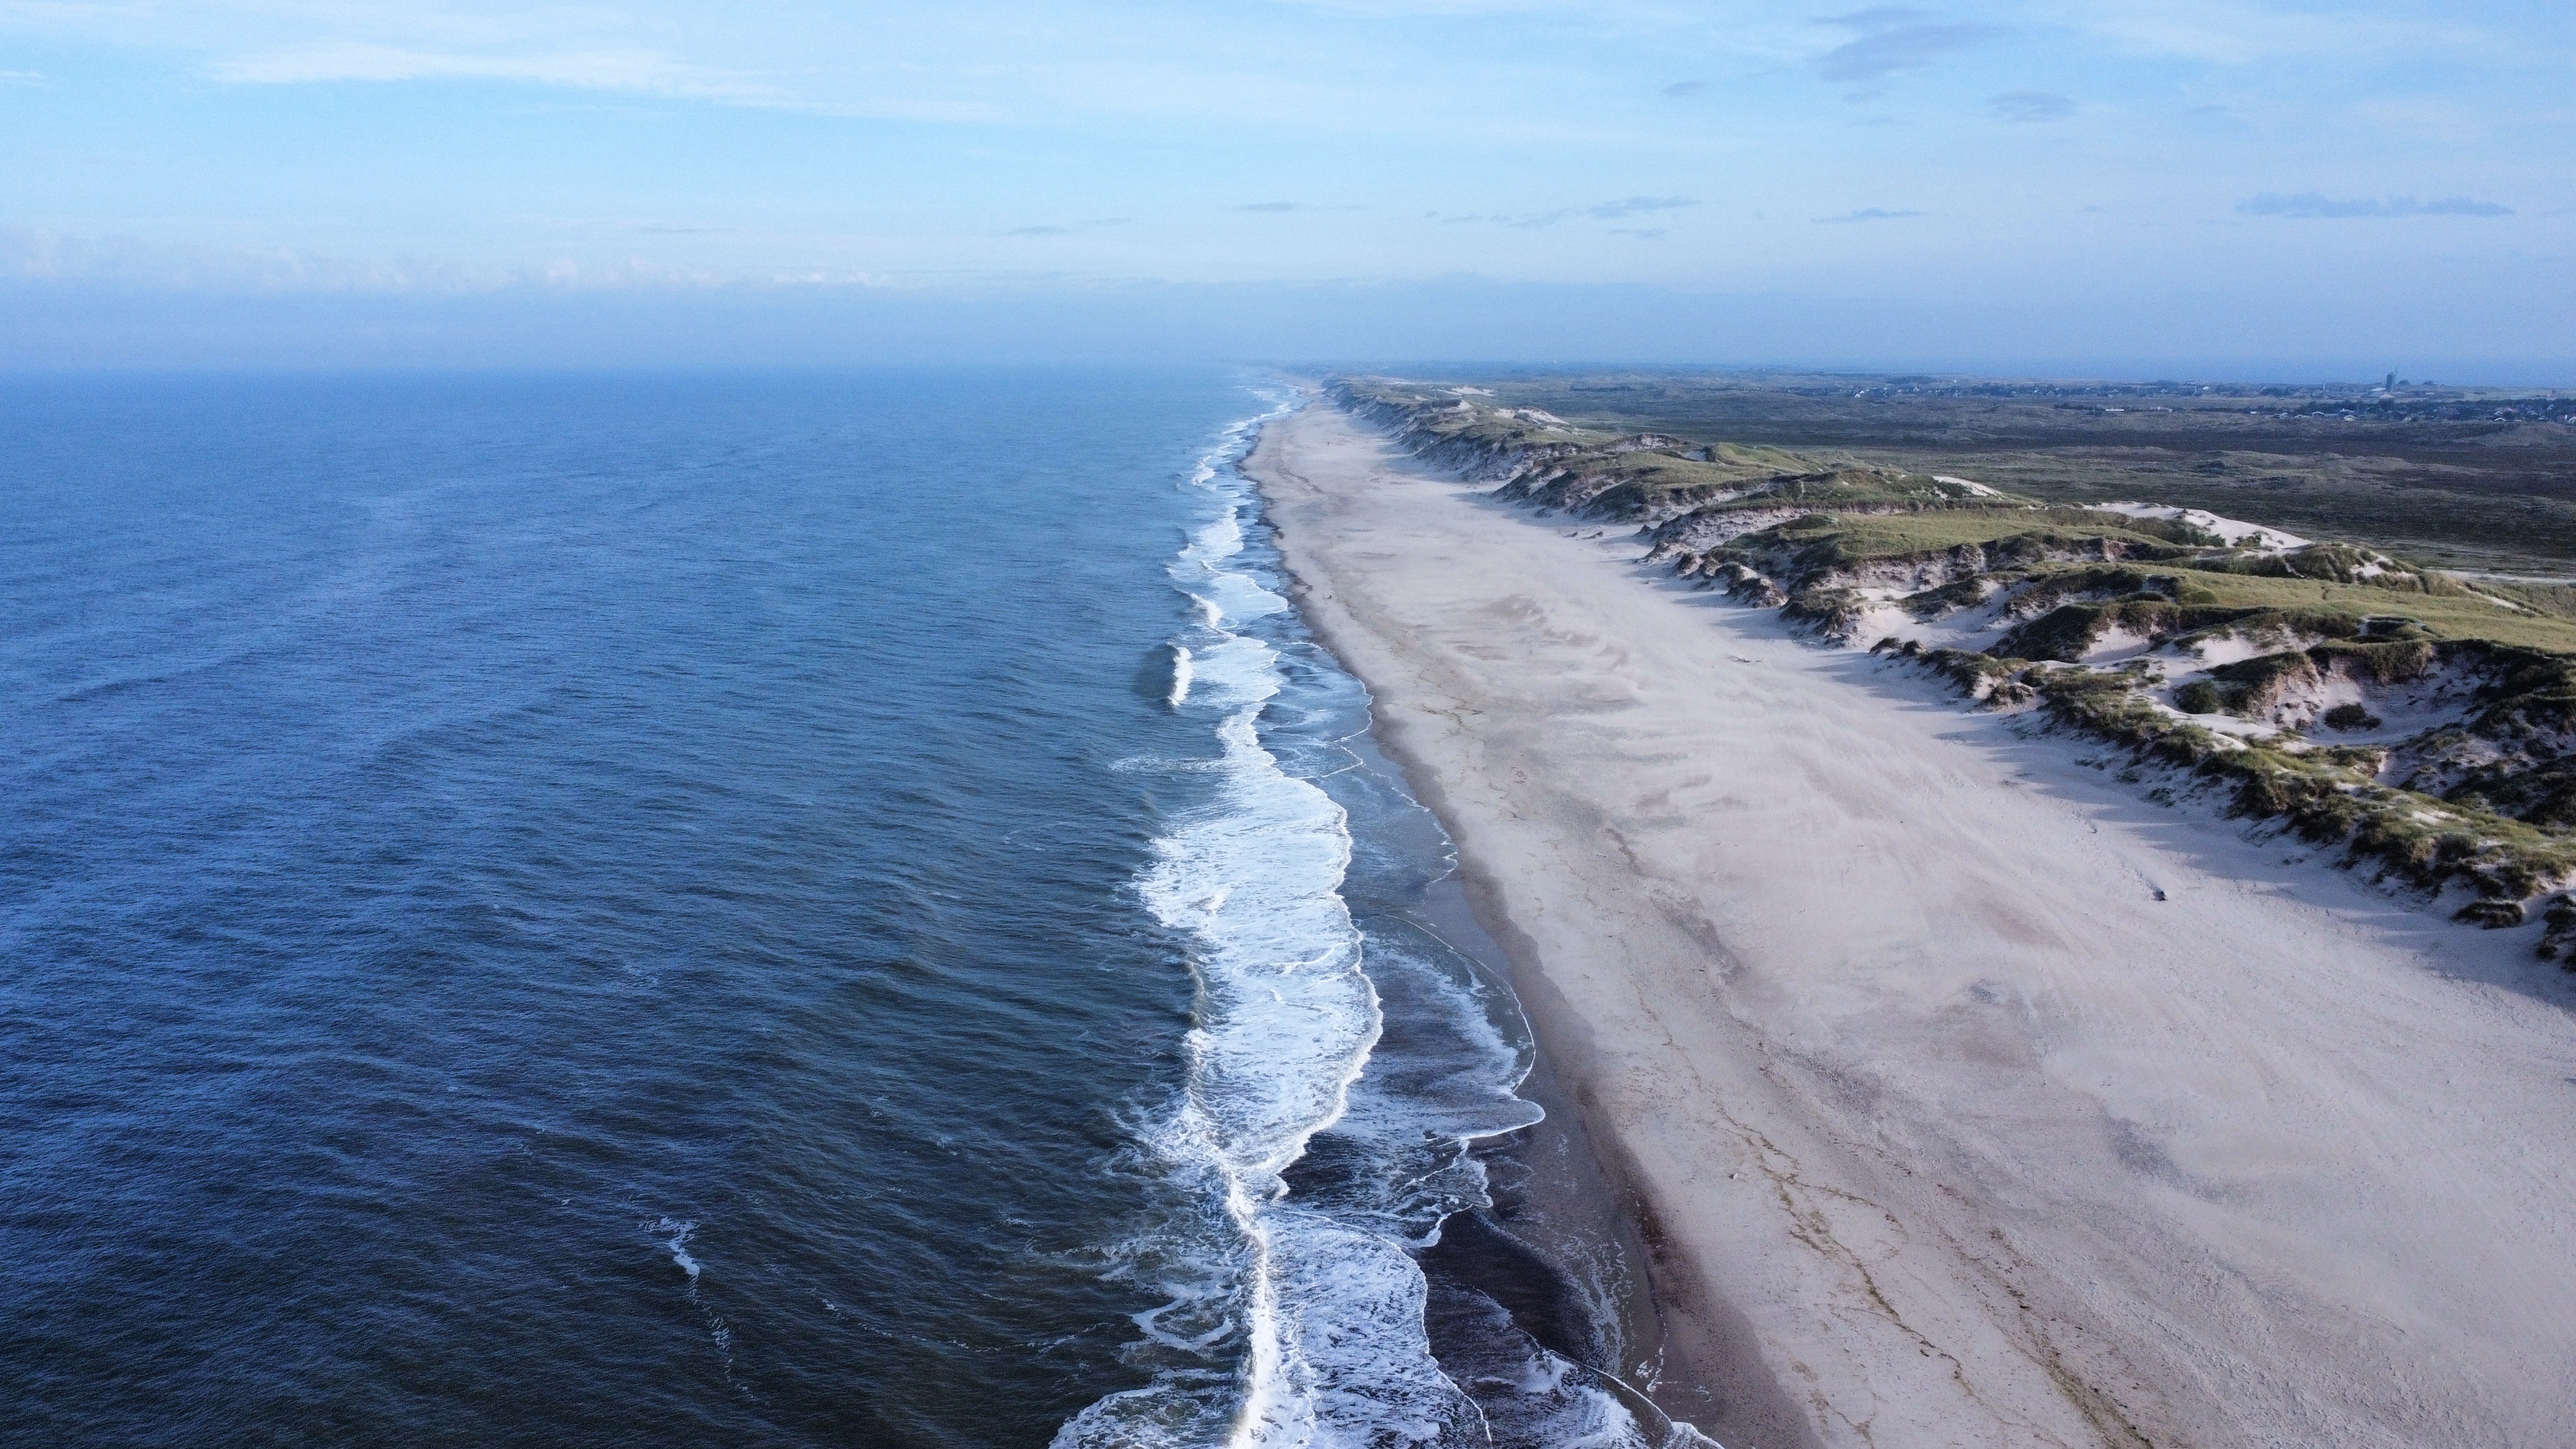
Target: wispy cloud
[
  {"x": 131, "y": 263},
  {"x": 970, "y": 62},
  {"x": 1638, "y": 206},
  {"x": 2023, "y": 107},
  {"x": 1894, "y": 38},
  {"x": 1606, "y": 211},
  {"x": 1523, "y": 220},
  {"x": 2318, "y": 204},
  {"x": 1069, "y": 228},
  {"x": 569, "y": 64},
  {"x": 999, "y": 107},
  {"x": 643, "y": 71},
  {"x": 2247, "y": 32}
]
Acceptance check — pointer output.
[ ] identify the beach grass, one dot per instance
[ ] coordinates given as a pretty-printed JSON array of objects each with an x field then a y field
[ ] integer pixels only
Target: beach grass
[{"x": 1842, "y": 545}]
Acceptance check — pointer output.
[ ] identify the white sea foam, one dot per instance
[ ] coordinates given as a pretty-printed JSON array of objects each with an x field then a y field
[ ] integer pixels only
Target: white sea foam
[
  {"x": 1287, "y": 1322},
  {"x": 679, "y": 1244}
]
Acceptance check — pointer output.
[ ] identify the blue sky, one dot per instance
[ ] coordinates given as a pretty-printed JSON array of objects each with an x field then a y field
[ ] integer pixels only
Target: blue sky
[{"x": 2206, "y": 182}]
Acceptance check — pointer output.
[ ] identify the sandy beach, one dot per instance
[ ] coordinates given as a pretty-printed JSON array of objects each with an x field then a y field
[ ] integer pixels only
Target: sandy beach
[{"x": 1968, "y": 1097}]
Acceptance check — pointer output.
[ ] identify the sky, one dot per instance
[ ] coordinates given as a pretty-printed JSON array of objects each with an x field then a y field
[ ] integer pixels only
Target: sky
[{"x": 2211, "y": 187}]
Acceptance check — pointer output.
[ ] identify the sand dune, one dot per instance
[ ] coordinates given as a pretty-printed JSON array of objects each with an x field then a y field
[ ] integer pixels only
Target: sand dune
[{"x": 1973, "y": 1100}]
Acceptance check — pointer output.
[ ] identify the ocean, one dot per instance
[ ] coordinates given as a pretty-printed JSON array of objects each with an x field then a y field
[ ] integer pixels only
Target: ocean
[{"x": 822, "y": 909}]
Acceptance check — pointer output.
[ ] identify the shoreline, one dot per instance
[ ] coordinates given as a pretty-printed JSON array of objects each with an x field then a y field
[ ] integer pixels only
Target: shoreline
[
  {"x": 1688, "y": 1357},
  {"x": 1947, "y": 1130},
  {"x": 1706, "y": 1371},
  {"x": 1572, "y": 1215},
  {"x": 1555, "y": 1250}
]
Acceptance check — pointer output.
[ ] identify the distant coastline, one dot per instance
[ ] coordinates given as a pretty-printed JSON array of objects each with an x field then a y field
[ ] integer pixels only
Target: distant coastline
[{"x": 1964, "y": 1094}]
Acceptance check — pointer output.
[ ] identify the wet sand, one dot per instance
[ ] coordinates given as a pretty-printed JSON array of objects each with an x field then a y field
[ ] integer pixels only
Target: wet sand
[{"x": 1964, "y": 1096}]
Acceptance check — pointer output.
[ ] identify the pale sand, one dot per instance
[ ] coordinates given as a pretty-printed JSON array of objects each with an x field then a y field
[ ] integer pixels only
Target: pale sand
[{"x": 1951, "y": 1131}]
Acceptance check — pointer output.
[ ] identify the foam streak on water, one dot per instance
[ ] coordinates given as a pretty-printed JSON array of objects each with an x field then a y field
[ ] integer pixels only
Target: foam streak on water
[
  {"x": 1295, "y": 1307},
  {"x": 677, "y": 910}
]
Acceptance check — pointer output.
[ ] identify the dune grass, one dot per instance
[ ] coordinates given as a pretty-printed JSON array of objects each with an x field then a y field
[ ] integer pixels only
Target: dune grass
[
  {"x": 2445, "y": 615},
  {"x": 2506, "y": 826},
  {"x": 1862, "y": 537}
]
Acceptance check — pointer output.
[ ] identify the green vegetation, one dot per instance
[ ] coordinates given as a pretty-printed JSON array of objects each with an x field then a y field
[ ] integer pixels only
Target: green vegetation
[
  {"x": 2227, "y": 656},
  {"x": 2185, "y": 604},
  {"x": 1837, "y": 540},
  {"x": 2482, "y": 479},
  {"x": 2327, "y": 795},
  {"x": 2447, "y": 611},
  {"x": 1812, "y": 546}
]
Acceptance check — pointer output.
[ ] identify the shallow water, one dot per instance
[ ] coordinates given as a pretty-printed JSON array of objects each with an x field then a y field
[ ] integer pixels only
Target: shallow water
[{"x": 827, "y": 909}]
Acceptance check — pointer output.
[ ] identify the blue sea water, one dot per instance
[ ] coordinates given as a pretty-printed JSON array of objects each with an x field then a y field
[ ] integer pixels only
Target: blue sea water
[{"x": 755, "y": 910}]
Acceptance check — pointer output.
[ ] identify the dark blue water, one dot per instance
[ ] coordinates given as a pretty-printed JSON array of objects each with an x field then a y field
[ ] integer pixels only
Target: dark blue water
[{"x": 702, "y": 910}]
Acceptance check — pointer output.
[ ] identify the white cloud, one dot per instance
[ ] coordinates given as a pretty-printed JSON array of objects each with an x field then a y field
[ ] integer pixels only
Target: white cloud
[
  {"x": 2028, "y": 107},
  {"x": 1894, "y": 38},
  {"x": 1639, "y": 205},
  {"x": 614, "y": 70},
  {"x": 965, "y": 62},
  {"x": 1174, "y": 112},
  {"x": 2247, "y": 32},
  {"x": 38, "y": 256},
  {"x": 2318, "y": 204}
]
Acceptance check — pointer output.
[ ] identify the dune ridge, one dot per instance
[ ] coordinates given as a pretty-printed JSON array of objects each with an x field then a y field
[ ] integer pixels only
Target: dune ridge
[{"x": 1967, "y": 1097}]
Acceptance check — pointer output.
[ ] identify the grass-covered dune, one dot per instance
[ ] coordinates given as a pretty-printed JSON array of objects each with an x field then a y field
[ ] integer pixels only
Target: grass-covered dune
[
  {"x": 2423, "y": 720},
  {"x": 2466, "y": 478}
]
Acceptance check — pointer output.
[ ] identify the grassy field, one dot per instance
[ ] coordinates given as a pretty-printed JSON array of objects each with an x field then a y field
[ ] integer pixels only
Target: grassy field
[
  {"x": 1656, "y": 474},
  {"x": 2464, "y": 479},
  {"x": 2463, "y": 616},
  {"x": 1823, "y": 543},
  {"x": 2501, "y": 518},
  {"x": 1862, "y": 537}
]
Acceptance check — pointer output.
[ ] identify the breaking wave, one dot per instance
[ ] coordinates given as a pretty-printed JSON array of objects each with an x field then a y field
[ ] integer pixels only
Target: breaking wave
[{"x": 1292, "y": 1309}]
